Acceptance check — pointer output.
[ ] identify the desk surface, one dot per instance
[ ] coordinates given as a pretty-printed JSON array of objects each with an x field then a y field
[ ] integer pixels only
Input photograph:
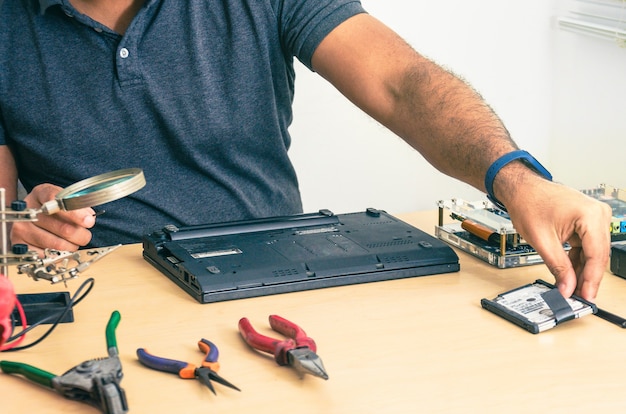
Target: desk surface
[{"x": 415, "y": 345}]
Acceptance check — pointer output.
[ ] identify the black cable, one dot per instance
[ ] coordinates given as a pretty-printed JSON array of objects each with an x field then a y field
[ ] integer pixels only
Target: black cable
[{"x": 74, "y": 300}]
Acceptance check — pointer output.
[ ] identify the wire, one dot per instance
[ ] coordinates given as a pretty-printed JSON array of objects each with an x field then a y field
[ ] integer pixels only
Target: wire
[
  {"x": 9, "y": 344},
  {"x": 55, "y": 320}
]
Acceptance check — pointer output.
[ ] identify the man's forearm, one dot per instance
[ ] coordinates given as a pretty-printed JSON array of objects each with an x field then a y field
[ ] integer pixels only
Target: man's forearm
[
  {"x": 433, "y": 110},
  {"x": 447, "y": 121}
]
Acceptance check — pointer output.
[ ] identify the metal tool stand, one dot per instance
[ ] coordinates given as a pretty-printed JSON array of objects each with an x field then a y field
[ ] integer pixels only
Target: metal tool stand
[{"x": 12, "y": 215}]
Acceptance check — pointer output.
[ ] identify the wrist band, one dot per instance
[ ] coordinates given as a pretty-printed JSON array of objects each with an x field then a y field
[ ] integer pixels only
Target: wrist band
[{"x": 497, "y": 165}]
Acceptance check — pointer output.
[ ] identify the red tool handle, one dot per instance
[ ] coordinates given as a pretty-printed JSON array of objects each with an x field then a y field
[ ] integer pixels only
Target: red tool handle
[
  {"x": 265, "y": 343},
  {"x": 290, "y": 329},
  {"x": 297, "y": 338}
]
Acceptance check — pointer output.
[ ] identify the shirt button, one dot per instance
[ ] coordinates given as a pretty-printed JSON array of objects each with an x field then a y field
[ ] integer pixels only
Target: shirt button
[{"x": 124, "y": 53}]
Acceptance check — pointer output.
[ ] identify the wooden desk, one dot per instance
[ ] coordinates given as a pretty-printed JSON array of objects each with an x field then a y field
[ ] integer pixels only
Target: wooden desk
[{"x": 415, "y": 345}]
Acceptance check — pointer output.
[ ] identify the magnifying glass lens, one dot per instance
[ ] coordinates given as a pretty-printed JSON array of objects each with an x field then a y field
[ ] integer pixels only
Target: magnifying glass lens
[
  {"x": 96, "y": 187},
  {"x": 97, "y": 190}
]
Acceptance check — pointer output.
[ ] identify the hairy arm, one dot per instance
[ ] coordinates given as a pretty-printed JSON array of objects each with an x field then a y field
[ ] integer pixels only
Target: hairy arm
[
  {"x": 455, "y": 130},
  {"x": 431, "y": 109}
]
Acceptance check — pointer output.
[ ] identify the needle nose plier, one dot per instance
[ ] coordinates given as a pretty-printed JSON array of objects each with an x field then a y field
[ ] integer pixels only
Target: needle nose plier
[
  {"x": 205, "y": 373},
  {"x": 298, "y": 351},
  {"x": 95, "y": 382}
]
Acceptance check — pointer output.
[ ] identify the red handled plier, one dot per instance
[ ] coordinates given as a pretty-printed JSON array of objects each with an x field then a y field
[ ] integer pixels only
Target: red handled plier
[
  {"x": 205, "y": 374},
  {"x": 298, "y": 351}
]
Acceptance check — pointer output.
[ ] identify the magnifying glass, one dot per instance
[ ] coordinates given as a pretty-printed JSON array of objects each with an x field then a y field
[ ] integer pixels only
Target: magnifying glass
[{"x": 97, "y": 190}]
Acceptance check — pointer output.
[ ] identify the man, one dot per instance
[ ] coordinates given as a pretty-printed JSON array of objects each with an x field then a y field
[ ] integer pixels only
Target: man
[{"x": 198, "y": 94}]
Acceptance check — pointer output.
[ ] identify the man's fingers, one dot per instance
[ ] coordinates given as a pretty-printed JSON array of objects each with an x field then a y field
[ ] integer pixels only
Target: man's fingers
[
  {"x": 579, "y": 272},
  {"x": 591, "y": 259},
  {"x": 70, "y": 226},
  {"x": 587, "y": 270},
  {"x": 39, "y": 238},
  {"x": 560, "y": 265},
  {"x": 65, "y": 230},
  {"x": 42, "y": 194}
]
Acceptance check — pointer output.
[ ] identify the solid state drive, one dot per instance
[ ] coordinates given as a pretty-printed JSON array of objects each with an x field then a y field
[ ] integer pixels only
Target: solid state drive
[{"x": 538, "y": 306}]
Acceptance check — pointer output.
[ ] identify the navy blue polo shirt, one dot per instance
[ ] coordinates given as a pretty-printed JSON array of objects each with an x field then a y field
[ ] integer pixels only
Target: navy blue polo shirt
[{"x": 197, "y": 93}]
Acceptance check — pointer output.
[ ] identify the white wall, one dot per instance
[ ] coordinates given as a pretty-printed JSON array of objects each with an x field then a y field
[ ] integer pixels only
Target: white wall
[
  {"x": 347, "y": 162},
  {"x": 589, "y": 121}
]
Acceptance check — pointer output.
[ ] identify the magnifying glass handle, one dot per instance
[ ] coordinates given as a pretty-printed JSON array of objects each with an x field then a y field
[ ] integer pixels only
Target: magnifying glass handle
[{"x": 51, "y": 207}]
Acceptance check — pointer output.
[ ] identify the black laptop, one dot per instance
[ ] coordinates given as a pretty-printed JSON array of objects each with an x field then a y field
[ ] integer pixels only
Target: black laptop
[{"x": 244, "y": 259}]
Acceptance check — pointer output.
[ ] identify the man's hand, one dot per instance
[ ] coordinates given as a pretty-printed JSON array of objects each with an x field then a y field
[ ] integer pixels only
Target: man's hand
[
  {"x": 548, "y": 214},
  {"x": 65, "y": 230}
]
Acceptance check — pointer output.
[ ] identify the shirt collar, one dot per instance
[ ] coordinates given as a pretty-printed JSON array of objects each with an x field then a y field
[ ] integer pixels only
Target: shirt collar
[{"x": 44, "y": 4}]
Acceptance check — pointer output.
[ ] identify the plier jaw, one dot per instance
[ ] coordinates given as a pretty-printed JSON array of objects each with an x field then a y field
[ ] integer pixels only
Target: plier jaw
[
  {"x": 207, "y": 375},
  {"x": 305, "y": 361},
  {"x": 204, "y": 376},
  {"x": 95, "y": 382}
]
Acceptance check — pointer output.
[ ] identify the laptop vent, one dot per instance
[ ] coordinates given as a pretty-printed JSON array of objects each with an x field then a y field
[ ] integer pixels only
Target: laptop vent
[
  {"x": 390, "y": 244},
  {"x": 285, "y": 272},
  {"x": 375, "y": 223},
  {"x": 395, "y": 259}
]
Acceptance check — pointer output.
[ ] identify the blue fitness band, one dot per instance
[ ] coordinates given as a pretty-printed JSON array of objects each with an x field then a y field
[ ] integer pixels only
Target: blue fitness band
[{"x": 497, "y": 165}]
